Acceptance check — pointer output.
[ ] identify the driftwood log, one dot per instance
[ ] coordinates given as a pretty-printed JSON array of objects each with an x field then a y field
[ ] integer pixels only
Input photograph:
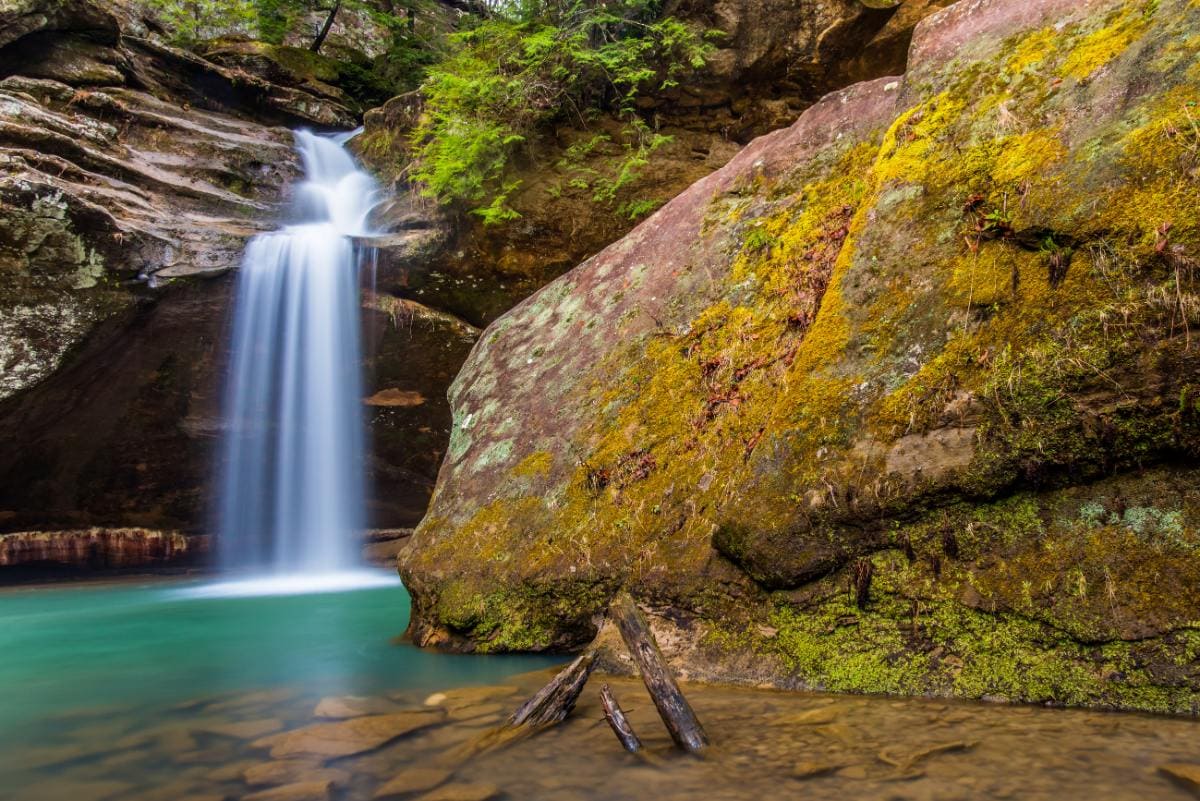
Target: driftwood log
[
  {"x": 617, "y": 720},
  {"x": 674, "y": 709},
  {"x": 550, "y": 705},
  {"x": 554, "y": 702}
]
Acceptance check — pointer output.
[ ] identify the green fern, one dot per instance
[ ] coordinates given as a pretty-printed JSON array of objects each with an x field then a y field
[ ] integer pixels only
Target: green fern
[{"x": 508, "y": 76}]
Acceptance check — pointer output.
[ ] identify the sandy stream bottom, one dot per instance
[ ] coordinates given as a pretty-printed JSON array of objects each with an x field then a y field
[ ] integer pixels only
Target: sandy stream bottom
[{"x": 280, "y": 745}]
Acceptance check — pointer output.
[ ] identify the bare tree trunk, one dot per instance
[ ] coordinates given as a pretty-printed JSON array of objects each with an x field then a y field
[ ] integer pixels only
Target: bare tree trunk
[
  {"x": 320, "y": 40},
  {"x": 674, "y": 709}
]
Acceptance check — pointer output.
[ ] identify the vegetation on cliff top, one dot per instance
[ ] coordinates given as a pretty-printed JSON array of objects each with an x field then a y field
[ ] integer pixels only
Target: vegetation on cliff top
[
  {"x": 510, "y": 74},
  {"x": 493, "y": 77},
  {"x": 412, "y": 37}
]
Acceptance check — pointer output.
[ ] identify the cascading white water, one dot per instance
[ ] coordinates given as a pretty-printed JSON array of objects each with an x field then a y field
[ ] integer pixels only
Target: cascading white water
[{"x": 291, "y": 495}]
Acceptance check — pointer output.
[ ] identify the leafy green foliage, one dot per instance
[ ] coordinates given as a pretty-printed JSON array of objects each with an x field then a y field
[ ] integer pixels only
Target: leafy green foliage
[
  {"x": 491, "y": 87},
  {"x": 511, "y": 74},
  {"x": 412, "y": 49},
  {"x": 192, "y": 20},
  {"x": 401, "y": 68}
]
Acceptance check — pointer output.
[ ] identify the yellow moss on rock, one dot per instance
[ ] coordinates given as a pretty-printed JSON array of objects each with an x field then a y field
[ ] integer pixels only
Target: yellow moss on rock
[
  {"x": 1104, "y": 45},
  {"x": 1033, "y": 50},
  {"x": 909, "y": 151},
  {"x": 535, "y": 464},
  {"x": 1026, "y": 156}
]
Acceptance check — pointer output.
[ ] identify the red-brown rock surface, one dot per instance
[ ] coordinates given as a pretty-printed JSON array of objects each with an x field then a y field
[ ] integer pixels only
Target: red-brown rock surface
[{"x": 99, "y": 548}]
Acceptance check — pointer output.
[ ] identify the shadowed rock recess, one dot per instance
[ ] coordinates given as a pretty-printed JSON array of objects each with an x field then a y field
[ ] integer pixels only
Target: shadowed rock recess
[{"x": 903, "y": 399}]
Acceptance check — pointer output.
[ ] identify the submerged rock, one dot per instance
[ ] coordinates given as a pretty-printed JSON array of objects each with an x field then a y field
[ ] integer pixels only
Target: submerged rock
[
  {"x": 463, "y": 792},
  {"x": 293, "y": 771},
  {"x": 413, "y": 780},
  {"x": 1183, "y": 774},
  {"x": 353, "y": 736},
  {"x": 352, "y": 706},
  {"x": 243, "y": 729},
  {"x": 300, "y": 791},
  {"x": 908, "y": 385},
  {"x": 811, "y": 770}
]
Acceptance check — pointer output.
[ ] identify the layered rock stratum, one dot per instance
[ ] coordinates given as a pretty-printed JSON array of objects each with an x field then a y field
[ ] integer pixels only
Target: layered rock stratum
[{"x": 902, "y": 399}]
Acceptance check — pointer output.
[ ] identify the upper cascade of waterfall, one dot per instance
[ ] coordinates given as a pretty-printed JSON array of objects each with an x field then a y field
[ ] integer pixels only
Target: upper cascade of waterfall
[
  {"x": 291, "y": 501},
  {"x": 334, "y": 190}
]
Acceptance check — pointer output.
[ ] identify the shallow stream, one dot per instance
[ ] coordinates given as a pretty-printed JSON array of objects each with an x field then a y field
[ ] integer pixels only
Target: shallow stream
[{"x": 140, "y": 691}]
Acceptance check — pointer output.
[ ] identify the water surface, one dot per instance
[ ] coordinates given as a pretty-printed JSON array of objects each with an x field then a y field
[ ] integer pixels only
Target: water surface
[
  {"x": 141, "y": 692},
  {"x": 135, "y": 646}
]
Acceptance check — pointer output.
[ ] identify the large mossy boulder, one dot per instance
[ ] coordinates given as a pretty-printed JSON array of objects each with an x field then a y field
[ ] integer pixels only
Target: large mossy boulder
[{"x": 902, "y": 399}]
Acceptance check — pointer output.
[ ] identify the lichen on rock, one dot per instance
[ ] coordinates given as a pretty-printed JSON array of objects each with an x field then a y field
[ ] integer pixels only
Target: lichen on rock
[{"x": 938, "y": 333}]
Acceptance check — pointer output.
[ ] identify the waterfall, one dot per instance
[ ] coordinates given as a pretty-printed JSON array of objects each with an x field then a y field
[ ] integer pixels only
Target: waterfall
[{"x": 291, "y": 497}]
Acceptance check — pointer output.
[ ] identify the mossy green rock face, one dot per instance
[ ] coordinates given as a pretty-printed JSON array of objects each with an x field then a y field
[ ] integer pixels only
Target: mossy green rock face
[{"x": 903, "y": 399}]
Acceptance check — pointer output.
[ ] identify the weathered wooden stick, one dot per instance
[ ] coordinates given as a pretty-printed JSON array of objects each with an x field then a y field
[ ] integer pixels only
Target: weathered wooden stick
[
  {"x": 674, "y": 709},
  {"x": 548, "y": 706},
  {"x": 617, "y": 720},
  {"x": 554, "y": 702}
]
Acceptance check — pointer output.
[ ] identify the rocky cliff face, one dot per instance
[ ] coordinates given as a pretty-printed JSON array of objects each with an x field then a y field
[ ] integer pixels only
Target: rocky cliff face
[
  {"x": 119, "y": 200},
  {"x": 902, "y": 399},
  {"x": 131, "y": 175}
]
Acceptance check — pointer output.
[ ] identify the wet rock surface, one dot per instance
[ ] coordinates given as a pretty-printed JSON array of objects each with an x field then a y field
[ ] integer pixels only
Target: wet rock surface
[
  {"x": 121, "y": 191},
  {"x": 100, "y": 548},
  {"x": 131, "y": 175},
  {"x": 354, "y": 735}
]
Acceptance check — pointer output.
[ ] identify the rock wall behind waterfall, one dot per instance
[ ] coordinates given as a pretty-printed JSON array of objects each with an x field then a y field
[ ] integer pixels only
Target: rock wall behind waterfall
[
  {"x": 131, "y": 175},
  {"x": 902, "y": 399}
]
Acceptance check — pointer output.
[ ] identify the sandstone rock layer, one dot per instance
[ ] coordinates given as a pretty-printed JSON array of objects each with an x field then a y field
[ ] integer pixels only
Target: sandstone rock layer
[
  {"x": 131, "y": 175},
  {"x": 99, "y": 548}
]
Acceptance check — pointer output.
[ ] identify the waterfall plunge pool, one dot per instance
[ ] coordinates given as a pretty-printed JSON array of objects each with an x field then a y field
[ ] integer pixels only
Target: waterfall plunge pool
[
  {"x": 83, "y": 666},
  {"x": 286, "y": 687}
]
